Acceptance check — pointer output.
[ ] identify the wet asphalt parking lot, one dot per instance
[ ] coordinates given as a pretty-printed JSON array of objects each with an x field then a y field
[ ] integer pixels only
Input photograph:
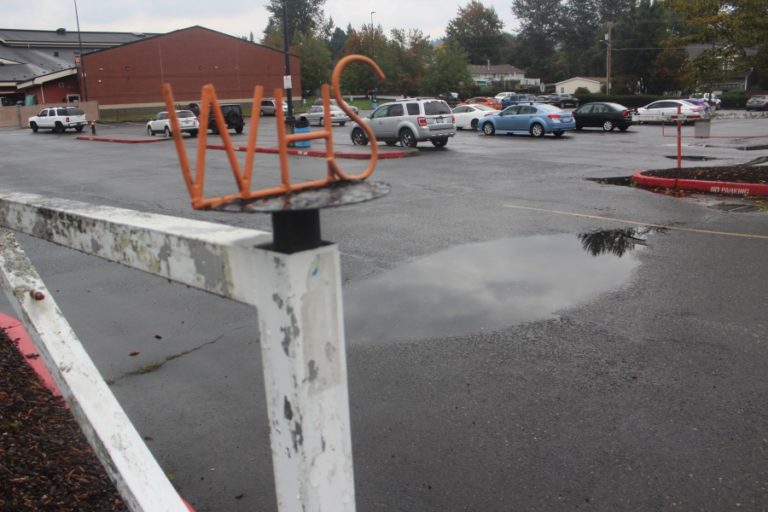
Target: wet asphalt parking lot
[{"x": 520, "y": 337}]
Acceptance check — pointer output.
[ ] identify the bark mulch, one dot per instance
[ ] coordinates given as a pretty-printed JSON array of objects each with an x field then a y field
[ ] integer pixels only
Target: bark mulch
[
  {"x": 735, "y": 173},
  {"x": 45, "y": 462}
]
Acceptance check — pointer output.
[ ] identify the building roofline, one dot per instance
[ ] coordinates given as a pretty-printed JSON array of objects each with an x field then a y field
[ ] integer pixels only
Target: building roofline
[{"x": 155, "y": 36}]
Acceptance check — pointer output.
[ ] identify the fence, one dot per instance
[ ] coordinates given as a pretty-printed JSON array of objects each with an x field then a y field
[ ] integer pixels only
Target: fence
[
  {"x": 298, "y": 300},
  {"x": 16, "y": 116}
]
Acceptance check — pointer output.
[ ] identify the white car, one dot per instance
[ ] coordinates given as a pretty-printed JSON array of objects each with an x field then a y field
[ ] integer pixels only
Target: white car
[
  {"x": 502, "y": 95},
  {"x": 58, "y": 119},
  {"x": 161, "y": 123},
  {"x": 315, "y": 116},
  {"x": 468, "y": 116},
  {"x": 662, "y": 110}
]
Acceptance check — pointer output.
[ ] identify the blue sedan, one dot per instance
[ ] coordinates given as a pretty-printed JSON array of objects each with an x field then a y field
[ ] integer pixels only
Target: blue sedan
[{"x": 537, "y": 119}]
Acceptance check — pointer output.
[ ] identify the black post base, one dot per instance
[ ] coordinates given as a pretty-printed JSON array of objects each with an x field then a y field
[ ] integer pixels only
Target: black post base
[{"x": 296, "y": 230}]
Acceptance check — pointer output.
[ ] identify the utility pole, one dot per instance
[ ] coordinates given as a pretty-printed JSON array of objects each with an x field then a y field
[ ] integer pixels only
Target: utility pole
[
  {"x": 609, "y": 39},
  {"x": 82, "y": 60},
  {"x": 287, "y": 82}
]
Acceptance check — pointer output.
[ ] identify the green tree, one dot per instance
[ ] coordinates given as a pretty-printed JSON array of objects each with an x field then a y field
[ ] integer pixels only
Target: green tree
[
  {"x": 305, "y": 16},
  {"x": 315, "y": 62},
  {"x": 336, "y": 44},
  {"x": 736, "y": 30},
  {"x": 477, "y": 29},
  {"x": 538, "y": 39},
  {"x": 448, "y": 71}
]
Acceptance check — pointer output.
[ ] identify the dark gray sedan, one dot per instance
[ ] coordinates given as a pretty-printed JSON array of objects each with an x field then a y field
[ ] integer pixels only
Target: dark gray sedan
[{"x": 603, "y": 115}]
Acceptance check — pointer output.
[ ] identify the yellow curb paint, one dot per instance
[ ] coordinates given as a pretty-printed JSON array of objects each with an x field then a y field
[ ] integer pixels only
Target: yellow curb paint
[{"x": 637, "y": 223}]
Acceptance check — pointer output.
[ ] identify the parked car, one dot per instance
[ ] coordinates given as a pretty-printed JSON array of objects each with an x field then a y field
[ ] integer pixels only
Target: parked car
[
  {"x": 660, "y": 110},
  {"x": 564, "y": 100},
  {"x": 516, "y": 99},
  {"x": 315, "y": 115},
  {"x": 334, "y": 103},
  {"x": 537, "y": 119},
  {"x": 161, "y": 123},
  {"x": 233, "y": 116},
  {"x": 699, "y": 102},
  {"x": 758, "y": 102},
  {"x": 269, "y": 107},
  {"x": 546, "y": 98},
  {"x": 502, "y": 95},
  {"x": 604, "y": 115},
  {"x": 483, "y": 100},
  {"x": 409, "y": 122},
  {"x": 468, "y": 116},
  {"x": 58, "y": 119},
  {"x": 713, "y": 100}
]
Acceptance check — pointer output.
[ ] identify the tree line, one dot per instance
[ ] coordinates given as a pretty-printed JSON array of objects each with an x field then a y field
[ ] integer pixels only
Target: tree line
[{"x": 556, "y": 39}]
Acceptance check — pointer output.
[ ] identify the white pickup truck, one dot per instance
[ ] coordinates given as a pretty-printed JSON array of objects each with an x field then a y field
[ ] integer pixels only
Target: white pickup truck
[{"x": 58, "y": 119}]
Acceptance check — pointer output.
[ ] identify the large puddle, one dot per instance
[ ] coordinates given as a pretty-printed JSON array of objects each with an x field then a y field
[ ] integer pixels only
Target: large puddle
[{"x": 488, "y": 286}]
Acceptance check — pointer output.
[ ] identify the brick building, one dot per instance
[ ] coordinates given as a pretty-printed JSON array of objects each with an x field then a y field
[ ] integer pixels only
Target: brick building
[
  {"x": 133, "y": 74},
  {"x": 128, "y": 69}
]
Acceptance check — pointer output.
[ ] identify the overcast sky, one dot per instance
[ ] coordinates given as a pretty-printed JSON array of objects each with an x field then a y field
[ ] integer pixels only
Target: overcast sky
[{"x": 234, "y": 17}]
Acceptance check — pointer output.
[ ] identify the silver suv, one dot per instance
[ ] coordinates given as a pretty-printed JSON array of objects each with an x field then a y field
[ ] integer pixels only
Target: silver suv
[{"x": 409, "y": 121}]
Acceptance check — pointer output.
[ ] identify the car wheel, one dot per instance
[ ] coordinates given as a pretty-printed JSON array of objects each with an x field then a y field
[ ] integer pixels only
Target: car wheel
[
  {"x": 79, "y": 128},
  {"x": 167, "y": 132},
  {"x": 58, "y": 128},
  {"x": 150, "y": 132},
  {"x": 33, "y": 125},
  {"x": 579, "y": 127},
  {"x": 359, "y": 138},
  {"x": 489, "y": 129},
  {"x": 238, "y": 129},
  {"x": 193, "y": 133},
  {"x": 321, "y": 122},
  {"x": 407, "y": 139},
  {"x": 608, "y": 125},
  {"x": 537, "y": 130},
  {"x": 558, "y": 133},
  {"x": 623, "y": 128},
  {"x": 342, "y": 123},
  {"x": 261, "y": 113},
  {"x": 473, "y": 124},
  {"x": 440, "y": 143}
]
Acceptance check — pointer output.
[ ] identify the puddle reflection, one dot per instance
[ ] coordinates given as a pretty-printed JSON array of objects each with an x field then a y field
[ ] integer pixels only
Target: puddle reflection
[
  {"x": 616, "y": 241},
  {"x": 491, "y": 285}
]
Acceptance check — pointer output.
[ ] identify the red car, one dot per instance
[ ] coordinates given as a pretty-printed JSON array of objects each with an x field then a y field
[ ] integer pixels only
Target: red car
[{"x": 484, "y": 100}]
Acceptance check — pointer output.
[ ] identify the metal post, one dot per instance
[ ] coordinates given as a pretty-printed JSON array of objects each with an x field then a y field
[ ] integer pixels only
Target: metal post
[
  {"x": 82, "y": 58},
  {"x": 286, "y": 47}
]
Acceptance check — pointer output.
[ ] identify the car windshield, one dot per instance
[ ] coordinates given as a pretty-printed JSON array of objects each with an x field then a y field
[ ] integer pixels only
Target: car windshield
[
  {"x": 74, "y": 111},
  {"x": 184, "y": 113},
  {"x": 432, "y": 108}
]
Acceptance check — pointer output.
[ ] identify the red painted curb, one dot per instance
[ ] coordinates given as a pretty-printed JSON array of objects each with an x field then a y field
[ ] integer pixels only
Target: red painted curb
[
  {"x": 119, "y": 141},
  {"x": 712, "y": 187},
  {"x": 16, "y": 331},
  {"x": 319, "y": 154}
]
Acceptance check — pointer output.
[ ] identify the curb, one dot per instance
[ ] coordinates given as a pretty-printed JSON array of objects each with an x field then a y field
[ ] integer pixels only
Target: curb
[
  {"x": 712, "y": 187},
  {"x": 16, "y": 332},
  {"x": 321, "y": 154},
  {"x": 318, "y": 154},
  {"x": 119, "y": 141}
]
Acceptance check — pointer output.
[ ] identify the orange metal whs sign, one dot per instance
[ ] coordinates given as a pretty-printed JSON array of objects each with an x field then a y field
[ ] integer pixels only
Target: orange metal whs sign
[{"x": 196, "y": 182}]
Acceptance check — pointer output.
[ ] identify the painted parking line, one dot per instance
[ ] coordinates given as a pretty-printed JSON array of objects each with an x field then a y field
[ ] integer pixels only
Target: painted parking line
[{"x": 638, "y": 223}]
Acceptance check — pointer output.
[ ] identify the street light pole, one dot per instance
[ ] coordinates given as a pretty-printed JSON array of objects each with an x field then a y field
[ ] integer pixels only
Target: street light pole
[
  {"x": 287, "y": 84},
  {"x": 82, "y": 60},
  {"x": 373, "y": 38}
]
